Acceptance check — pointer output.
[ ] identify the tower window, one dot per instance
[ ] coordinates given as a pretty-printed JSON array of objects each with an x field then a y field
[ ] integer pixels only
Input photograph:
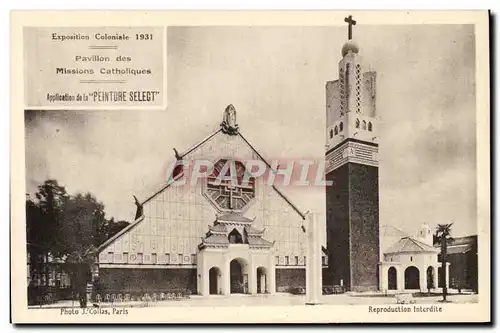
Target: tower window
[
  {"x": 358, "y": 88},
  {"x": 341, "y": 127},
  {"x": 364, "y": 124},
  {"x": 331, "y": 133},
  {"x": 342, "y": 89},
  {"x": 357, "y": 123},
  {"x": 336, "y": 130},
  {"x": 370, "y": 128},
  {"x": 347, "y": 83}
]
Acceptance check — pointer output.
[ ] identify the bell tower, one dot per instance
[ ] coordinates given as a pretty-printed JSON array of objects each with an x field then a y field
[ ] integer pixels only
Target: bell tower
[{"x": 352, "y": 201}]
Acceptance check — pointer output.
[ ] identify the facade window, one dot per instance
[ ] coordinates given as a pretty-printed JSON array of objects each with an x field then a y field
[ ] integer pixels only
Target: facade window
[
  {"x": 341, "y": 127},
  {"x": 277, "y": 260},
  {"x": 235, "y": 237},
  {"x": 229, "y": 192},
  {"x": 331, "y": 133},
  {"x": 357, "y": 123},
  {"x": 110, "y": 256},
  {"x": 364, "y": 124},
  {"x": 296, "y": 260},
  {"x": 411, "y": 258},
  {"x": 286, "y": 261},
  {"x": 193, "y": 258},
  {"x": 139, "y": 258},
  {"x": 336, "y": 130},
  {"x": 179, "y": 260},
  {"x": 370, "y": 128},
  {"x": 125, "y": 257},
  {"x": 154, "y": 258},
  {"x": 305, "y": 260},
  {"x": 167, "y": 258}
]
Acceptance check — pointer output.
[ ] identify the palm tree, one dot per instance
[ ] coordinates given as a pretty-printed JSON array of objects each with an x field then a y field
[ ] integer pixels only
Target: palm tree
[{"x": 443, "y": 238}]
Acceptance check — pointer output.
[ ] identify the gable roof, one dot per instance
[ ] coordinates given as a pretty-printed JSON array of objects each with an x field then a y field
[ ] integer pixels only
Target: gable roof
[
  {"x": 233, "y": 217},
  {"x": 181, "y": 156},
  {"x": 410, "y": 244},
  {"x": 391, "y": 231},
  {"x": 190, "y": 150}
]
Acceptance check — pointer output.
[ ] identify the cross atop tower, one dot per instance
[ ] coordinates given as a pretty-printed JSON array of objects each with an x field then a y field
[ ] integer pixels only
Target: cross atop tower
[{"x": 350, "y": 23}]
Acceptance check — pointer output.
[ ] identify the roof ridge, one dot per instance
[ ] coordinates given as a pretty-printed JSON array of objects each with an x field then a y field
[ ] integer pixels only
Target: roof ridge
[
  {"x": 110, "y": 240},
  {"x": 283, "y": 196},
  {"x": 417, "y": 243},
  {"x": 199, "y": 143}
]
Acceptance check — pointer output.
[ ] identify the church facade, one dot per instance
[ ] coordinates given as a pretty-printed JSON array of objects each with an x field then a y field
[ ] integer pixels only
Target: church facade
[
  {"x": 213, "y": 237},
  {"x": 352, "y": 202}
]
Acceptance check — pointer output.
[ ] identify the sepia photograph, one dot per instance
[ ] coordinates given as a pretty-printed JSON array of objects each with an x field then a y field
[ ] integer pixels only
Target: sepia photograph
[{"x": 289, "y": 165}]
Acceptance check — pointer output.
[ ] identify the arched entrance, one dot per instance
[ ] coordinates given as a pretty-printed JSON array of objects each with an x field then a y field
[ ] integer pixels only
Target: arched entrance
[
  {"x": 412, "y": 278},
  {"x": 214, "y": 276},
  {"x": 392, "y": 275},
  {"x": 430, "y": 277},
  {"x": 239, "y": 276},
  {"x": 261, "y": 280}
]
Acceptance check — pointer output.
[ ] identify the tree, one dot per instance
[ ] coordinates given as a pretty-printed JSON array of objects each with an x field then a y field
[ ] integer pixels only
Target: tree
[
  {"x": 84, "y": 221},
  {"x": 34, "y": 232},
  {"x": 114, "y": 227},
  {"x": 443, "y": 238},
  {"x": 66, "y": 227},
  {"x": 46, "y": 221}
]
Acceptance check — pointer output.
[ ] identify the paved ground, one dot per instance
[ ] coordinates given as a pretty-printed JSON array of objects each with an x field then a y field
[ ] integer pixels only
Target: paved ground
[{"x": 276, "y": 300}]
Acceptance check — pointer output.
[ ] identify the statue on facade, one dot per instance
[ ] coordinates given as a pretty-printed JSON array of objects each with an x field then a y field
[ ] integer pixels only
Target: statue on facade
[{"x": 229, "y": 125}]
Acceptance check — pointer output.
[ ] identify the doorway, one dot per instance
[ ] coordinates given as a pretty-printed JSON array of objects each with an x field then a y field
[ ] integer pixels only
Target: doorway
[
  {"x": 393, "y": 279},
  {"x": 214, "y": 276},
  {"x": 412, "y": 278},
  {"x": 239, "y": 277}
]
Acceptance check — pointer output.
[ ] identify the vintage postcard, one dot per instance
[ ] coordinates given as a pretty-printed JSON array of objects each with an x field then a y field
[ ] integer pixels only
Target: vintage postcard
[{"x": 250, "y": 167}]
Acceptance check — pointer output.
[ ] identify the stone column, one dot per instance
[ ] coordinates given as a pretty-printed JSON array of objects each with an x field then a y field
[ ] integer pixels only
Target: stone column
[
  {"x": 252, "y": 278},
  {"x": 271, "y": 275},
  {"x": 435, "y": 277},
  {"x": 383, "y": 281},
  {"x": 400, "y": 273},
  {"x": 226, "y": 277},
  {"x": 313, "y": 264},
  {"x": 423, "y": 278},
  {"x": 203, "y": 276}
]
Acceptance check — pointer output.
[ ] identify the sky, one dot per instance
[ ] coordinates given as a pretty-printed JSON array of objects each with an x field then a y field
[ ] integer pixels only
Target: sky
[{"x": 275, "y": 77}]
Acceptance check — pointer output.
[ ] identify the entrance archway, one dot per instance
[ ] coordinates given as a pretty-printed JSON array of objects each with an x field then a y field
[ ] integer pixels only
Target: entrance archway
[
  {"x": 238, "y": 276},
  {"x": 430, "y": 277},
  {"x": 214, "y": 276},
  {"x": 261, "y": 280},
  {"x": 392, "y": 275},
  {"x": 412, "y": 278}
]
